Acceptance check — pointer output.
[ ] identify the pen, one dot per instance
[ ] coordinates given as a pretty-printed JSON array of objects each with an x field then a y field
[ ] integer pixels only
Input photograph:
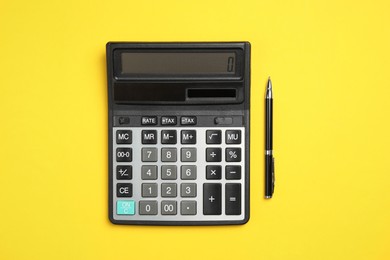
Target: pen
[{"x": 269, "y": 159}]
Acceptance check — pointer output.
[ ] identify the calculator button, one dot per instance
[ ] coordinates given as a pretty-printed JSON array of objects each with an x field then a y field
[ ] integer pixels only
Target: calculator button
[
  {"x": 124, "y": 120},
  {"x": 124, "y": 190},
  {"x": 188, "y": 190},
  {"x": 124, "y": 154},
  {"x": 124, "y": 172},
  {"x": 168, "y": 172},
  {"x": 125, "y": 207},
  {"x": 213, "y": 154},
  {"x": 168, "y": 190},
  {"x": 212, "y": 199},
  {"x": 188, "y": 120},
  {"x": 213, "y": 172},
  {"x": 233, "y": 172},
  {"x": 149, "y": 120},
  {"x": 149, "y": 136},
  {"x": 233, "y": 154},
  {"x": 149, "y": 172},
  {"x": 188, "y": 207},
  {"x": 149, "y": 154},
  {"x": 213, "y": 137},
  {"x": 233, "y": 199},
  {"x": 168, "y": 207},
  {"x": 188, "y": 172},
  {"x": 223, "y": 120},
  {"x": 168, "y": 154},
  {"x": 188, "y": 137},
  {"x": 148, "y": 207},
  {"x": 168, "y": 137},
  {"x": 188, "y": 154},
  {"x": 123, "y": 137},
  {"x": 233, "y": 136},
  {"x": 149, "y": 190},
  {"x": 168, "y": 120}
]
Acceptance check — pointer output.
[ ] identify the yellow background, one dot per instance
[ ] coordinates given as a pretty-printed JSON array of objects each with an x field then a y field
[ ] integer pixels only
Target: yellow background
[{"x": 329, "y": 62}]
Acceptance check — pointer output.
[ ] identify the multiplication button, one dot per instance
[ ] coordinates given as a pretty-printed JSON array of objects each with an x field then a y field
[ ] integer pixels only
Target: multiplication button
[{"x": 213, "y": 172}]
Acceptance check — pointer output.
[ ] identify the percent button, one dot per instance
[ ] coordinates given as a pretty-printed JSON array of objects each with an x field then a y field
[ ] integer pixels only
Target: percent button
[{"x": 233, "y": 155}]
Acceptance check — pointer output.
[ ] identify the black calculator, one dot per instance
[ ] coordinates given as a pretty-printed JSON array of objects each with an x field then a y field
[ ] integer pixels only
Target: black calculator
[{"x": 178, "y": 133}]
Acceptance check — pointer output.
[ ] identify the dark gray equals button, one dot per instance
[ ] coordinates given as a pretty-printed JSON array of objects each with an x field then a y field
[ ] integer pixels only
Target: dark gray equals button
[{"x": 233, "y": 198}]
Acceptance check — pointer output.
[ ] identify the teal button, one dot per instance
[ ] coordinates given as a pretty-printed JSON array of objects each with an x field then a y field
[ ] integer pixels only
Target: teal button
[{"x": 125, "y": 207}]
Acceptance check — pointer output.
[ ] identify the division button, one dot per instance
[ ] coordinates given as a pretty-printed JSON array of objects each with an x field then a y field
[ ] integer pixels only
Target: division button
[
  {"x": 233, "y": 199},
  {"x": 233, "y": 154},
  {"x": 233, "y": 172},
  {"x": 188, "y": 137},
  {"x": 188, "y": 207},
  {"x": 213, "y": 137},
  {"x": 188, "y": 120},
  {"x": 125, "y": 207},
  {"x": 168, "y": 120},
  {"x": 213, "y": 154},
  {"x": 212, "y": 199},
  {"x": 213, "y": 172},
  {"x": 124, "y": 154},
  {"x": 148, "y": 207},
  {"x": 168, "y": 207},
  {"x": 123, "y": 137},
  {"x": 149, "y": 120},
  {"x": 124, "y": 172},
  {"x": 233, "y": 136},
  {"x": 168, "y": 137},
  {"x": 149, "y": 136},
  {"x": 124, "y": 190}
]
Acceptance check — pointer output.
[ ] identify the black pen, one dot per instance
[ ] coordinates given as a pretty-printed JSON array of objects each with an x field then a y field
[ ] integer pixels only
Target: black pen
[{"x": 269, "y": 159}]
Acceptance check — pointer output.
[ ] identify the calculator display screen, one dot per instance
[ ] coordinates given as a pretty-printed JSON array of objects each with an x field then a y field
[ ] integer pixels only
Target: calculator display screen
[{"x": 178, "y": 63}]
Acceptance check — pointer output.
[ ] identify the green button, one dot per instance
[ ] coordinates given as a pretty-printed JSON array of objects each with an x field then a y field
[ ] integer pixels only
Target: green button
[{"x": 125, "y": 207}]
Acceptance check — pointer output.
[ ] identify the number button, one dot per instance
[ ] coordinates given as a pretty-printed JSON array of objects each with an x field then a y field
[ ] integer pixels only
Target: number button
[
  {"x": 124, "y": 172},
  {"x": 168, "y": 207},
  {"x": 149, "y": 136},
  {"x": 188, "y": 137},
  {"x": 233, "y": 137},
  {"x": 124, "y": 155},
  {"x": 149, "y": 190},
  {"x": 149, "y": 172},
  {"x": 188, "y": 154},
  {"x": 188, "y": 207},
  {"x": 213, "y": 172},
  {"x": 148, "y": 207},
  {"x": 213, "y": 137},
  {"x": 149, "y": 154},
  {"x": 188, "y": 190},
  {"x": 168, "y": 172},
  {"x": 213, "y": 154},
  {"x": 233, "y": 154},
  {"x": 188, "y": 172},
  {"x": 168, "y": 190},
  {"x": 123, "y": 137},
  {"x": 168, "y": 155},
  {"x": 124, "y": 190},
  {"x": 168, "y": 137}
]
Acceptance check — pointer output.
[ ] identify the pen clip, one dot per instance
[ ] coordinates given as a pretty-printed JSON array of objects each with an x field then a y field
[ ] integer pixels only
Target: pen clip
[{"x": 273, "y": 174}]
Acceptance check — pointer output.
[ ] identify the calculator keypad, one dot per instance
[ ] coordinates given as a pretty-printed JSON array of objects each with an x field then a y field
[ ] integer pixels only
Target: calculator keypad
[{"x": 178, "y": 173}]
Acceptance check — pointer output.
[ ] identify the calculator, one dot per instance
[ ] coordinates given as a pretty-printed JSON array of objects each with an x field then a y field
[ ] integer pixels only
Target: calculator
[{"x": 178, "y": 132}]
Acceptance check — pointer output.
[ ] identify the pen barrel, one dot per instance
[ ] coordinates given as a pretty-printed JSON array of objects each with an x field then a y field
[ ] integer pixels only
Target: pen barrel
[
  {"x": 268, "y": 123},
  {"x": 269, "y": 182}
]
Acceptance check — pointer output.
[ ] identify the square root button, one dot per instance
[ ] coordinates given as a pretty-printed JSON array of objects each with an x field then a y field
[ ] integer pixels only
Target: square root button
[{"x": 125, "y": 207}]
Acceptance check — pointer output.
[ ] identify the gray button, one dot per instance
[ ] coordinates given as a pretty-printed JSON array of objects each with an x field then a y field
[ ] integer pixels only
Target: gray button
[
  {"x": 168, "y": 155},
  {"x": 149, "y": 190},
  {"x": 149, "y": 172},
  {"x": 188, "y": 207},
  {"x": 188, "y": 154},
  {"x": 168, "y": 190},
  {"x": 188, "y": 190},
  {"x": 148, "y": 207},
  {"x": 168, "y": 172},
  {"x": 188, "y": 172},
  {"x": 149, "y": 154},
  {"x": 168, "y": 207}
]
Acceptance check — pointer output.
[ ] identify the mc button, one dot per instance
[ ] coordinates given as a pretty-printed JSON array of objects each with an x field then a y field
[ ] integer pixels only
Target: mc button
[{"x": 123, "y": 137}]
